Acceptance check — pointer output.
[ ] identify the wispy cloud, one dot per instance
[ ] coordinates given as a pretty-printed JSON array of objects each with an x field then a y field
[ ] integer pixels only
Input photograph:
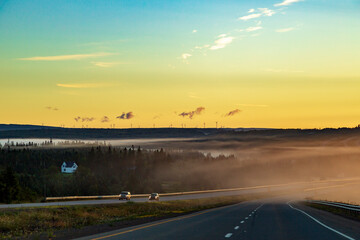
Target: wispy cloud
[
  {"x": 286, "y": 3},
  {"x": 222, "y": 42},
  {"x": 266, "y": 12},
  {"x": 81, "y": 85},
  {"x": 105, "y": 119},
  {"x": 52, "y": 108},
  {"x": 84, "y": 119},
  {"x": 252, "y": 29},
  {"x": 126, "y": 116},
  {"x": 107, "y": 64},
  {"x": 191, "y": 114},
  {"x": 193, "y": 95},
  {"x": 250, "y": 16},
  {"x": 65, "y": 57},
  {"x": 202, "y": 47},
  {"x": 185, "y": 56},
  {"x": 232, "y": 113},
  {"x": 261, "y": 12},
  {"x": 282, "y": 30}
]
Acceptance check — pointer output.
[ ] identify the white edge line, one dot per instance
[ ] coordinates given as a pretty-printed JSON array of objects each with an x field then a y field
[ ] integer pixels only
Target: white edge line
[
  {"x": 236, "y": 228},
  {"x": 228, "y": 235},
  {"x": 242, "y": 222},
  {"x": 322, "y": 224}
]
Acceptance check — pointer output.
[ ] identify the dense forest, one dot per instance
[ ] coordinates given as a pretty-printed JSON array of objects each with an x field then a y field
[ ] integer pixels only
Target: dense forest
[{"x": 28, "y": 174}]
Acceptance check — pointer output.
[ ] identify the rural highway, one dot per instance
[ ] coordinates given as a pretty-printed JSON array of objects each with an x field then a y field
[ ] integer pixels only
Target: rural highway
[
  {"x": 249, "y": 220},
  {"x": 305, "y": 188},
  {"x": 114, "y": 201}
]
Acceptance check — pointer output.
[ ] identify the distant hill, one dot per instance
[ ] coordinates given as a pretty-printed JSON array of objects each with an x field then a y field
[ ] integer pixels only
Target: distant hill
[
  {"x": 10, "y": 127},
  {"x": 35, "y": 131},
  {"x": 95, "y": 133}
]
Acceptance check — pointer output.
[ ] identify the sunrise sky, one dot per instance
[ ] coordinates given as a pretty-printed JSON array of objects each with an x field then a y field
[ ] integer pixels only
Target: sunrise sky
[{"x": 260, "y": 63}]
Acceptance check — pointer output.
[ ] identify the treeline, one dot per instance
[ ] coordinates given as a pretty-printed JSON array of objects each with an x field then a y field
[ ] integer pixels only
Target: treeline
[{"x": 30, "y": 174}]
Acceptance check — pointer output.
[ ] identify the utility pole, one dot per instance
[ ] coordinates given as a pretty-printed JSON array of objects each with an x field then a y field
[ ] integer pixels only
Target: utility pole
[{"x": 216, "y": 124}]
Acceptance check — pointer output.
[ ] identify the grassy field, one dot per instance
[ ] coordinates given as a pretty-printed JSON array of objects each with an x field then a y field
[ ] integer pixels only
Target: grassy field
[{"x": 19, "y": 223}]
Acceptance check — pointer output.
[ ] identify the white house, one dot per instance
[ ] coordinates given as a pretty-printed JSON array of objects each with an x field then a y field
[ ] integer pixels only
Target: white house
[{"x": 68, "y": 167}]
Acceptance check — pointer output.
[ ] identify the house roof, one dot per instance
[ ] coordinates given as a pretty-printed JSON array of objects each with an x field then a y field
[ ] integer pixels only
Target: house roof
[{"x": 69, "y": 164}]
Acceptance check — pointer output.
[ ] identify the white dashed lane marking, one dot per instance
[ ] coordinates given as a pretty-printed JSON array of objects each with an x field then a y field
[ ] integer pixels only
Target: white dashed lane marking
[{"x": 237, "y": 227}]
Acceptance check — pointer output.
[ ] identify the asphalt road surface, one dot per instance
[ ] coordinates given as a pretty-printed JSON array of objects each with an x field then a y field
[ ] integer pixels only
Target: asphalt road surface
[{"x": 248, "y": 220}]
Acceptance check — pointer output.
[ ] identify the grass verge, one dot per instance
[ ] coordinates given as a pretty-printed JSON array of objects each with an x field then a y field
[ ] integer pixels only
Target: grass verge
[
  {"x": 338, "y": 211},
  {"x": 22, "y": 223}
]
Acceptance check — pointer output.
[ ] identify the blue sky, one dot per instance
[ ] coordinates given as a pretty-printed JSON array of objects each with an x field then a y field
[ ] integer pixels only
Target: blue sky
[{"x": 175, "y": 56}]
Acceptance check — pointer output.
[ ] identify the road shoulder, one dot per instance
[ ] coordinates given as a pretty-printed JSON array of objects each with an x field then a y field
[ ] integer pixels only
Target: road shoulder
[{"x": 342, "y": 224}]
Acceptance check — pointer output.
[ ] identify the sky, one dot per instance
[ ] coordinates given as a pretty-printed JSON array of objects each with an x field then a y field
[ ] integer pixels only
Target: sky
[{"x": 185, "y": 63}]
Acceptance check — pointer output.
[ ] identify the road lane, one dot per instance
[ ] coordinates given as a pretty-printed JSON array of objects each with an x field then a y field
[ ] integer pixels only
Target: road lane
[
  {"x": 209, "y": 224},
  {"x": 279, "y": 221},
  {"x": 248, "y": 220}
]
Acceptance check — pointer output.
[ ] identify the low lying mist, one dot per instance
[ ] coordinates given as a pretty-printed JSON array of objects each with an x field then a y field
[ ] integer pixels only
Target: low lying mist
[{"x": 161, "y": 165}]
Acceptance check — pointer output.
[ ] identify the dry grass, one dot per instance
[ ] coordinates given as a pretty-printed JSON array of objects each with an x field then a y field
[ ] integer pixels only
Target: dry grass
[{"x": 23, "y": 222}]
